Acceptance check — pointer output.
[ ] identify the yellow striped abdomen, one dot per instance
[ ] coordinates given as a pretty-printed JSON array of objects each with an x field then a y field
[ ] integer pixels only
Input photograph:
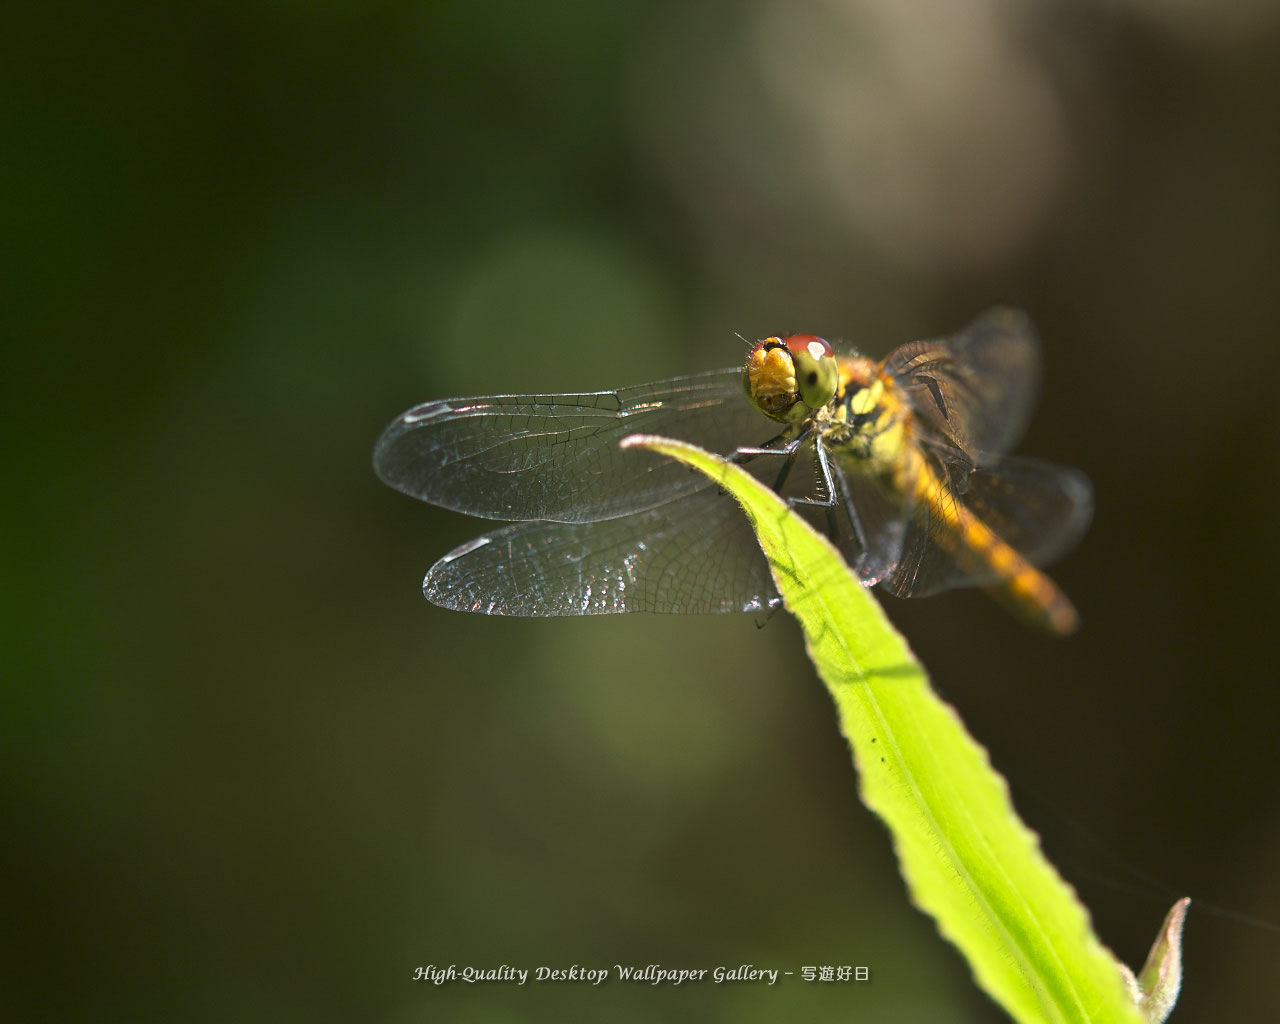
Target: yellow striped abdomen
[{"x": 1029, "y": 591}]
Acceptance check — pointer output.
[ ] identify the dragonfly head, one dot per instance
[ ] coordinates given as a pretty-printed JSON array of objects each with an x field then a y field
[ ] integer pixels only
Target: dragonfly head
[{"x": 788, "y": 378}]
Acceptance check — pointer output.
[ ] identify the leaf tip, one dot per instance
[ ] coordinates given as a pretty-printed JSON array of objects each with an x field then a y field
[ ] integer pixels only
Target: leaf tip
[
  {"x": 1156, "y": 987},
  {"x": 642, "y": 441}
]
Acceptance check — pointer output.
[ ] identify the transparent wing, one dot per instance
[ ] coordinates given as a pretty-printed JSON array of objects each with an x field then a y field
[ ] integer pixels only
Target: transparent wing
[
  {"x": 556, "y": 457},
  {"x": 1039, "y": 509},
  {"x": 694, "y": 555},
  {"x": 977, "y": 388}
]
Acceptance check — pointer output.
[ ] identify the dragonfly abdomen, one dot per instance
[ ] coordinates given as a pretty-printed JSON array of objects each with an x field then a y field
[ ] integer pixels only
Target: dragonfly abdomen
[{"x": 1020, "y": 585}]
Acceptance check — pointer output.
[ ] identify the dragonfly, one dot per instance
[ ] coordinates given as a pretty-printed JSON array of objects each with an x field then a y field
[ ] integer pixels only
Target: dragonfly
[{"x": 905, "y": 467}]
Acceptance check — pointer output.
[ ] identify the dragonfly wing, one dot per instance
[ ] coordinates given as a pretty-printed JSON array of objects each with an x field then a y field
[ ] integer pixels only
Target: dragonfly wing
[
  {"x": 1038, "y": 508},
  {"x": 695, "y": 555},
  {"x": 556, "y": 457},
  {"x": 977, "y": 388}
]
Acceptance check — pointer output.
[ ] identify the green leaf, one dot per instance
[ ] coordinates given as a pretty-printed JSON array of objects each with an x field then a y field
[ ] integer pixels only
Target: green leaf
[{"x": 967, "y": 858}]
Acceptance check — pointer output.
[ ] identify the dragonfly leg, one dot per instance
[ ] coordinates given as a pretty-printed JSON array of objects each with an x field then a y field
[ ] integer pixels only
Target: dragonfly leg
[
  {"x": 834, "y": 497},
  {"x": 828, "y": 481},
  {"x": 870, "y": 566},
  {"x": 838, "y": 496},
  {"x": 859, "y": 535},
  {"x": 746, "y": 453}
]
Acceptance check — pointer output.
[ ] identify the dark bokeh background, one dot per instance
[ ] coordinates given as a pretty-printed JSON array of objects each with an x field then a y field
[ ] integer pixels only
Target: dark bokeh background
[{"x": 249, "y": 774}]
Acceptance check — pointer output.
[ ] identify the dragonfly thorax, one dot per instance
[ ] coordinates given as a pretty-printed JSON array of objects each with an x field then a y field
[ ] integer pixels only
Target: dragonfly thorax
[{"x": 869, "y": 429}]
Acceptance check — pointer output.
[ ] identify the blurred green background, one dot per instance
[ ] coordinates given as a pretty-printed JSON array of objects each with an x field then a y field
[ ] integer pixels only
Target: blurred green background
[{"x": 250, "y": 774}]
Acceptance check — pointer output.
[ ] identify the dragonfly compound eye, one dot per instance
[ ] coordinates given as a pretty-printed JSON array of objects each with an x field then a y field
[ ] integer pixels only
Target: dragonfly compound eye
[{"x": 815, "y": 363}]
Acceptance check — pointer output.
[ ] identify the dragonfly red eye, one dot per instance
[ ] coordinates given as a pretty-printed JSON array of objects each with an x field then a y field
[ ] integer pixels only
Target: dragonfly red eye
[
  {"x": 816, "y": 374},
  {"x": 810, "y": 345}
]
